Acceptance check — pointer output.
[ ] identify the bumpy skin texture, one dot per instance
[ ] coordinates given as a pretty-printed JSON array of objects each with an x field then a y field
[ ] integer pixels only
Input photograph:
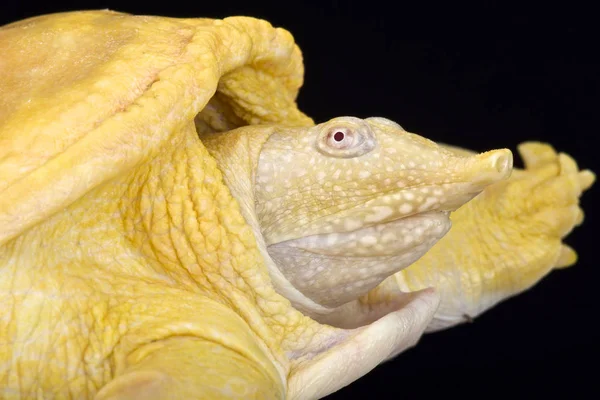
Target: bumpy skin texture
[
  {"x": 130, "y": 269},
  {"x": 125, "y": 262}
]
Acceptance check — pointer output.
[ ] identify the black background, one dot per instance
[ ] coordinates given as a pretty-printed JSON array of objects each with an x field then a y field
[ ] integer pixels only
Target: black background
[{"x": 487, "y": 76}]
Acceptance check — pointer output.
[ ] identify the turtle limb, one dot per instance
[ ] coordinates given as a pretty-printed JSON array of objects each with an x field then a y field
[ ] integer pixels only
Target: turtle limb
[
  {"x": 191, "y": 368},
  {"x": 213, "y": 353},
  {"x": 503, "y": 241},
  {"x": 344, "y": 355}
]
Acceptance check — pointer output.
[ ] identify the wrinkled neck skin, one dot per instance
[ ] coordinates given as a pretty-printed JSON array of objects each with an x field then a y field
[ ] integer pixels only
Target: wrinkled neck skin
[
  {"x": 237, "y": 153},
  {"x": 338, "y": 207}
]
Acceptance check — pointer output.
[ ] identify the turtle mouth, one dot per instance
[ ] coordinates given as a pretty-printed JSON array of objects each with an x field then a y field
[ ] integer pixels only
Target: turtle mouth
[
  {"x": 403, "y": 205},
  {"x": 390, "y": 238}
]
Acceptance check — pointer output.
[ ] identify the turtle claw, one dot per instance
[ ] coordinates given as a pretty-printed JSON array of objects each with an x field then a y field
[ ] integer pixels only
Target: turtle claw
[
  {"x": 536, "y": 154},
  {"x": 580, "y": 218},
  {"x": 586, "y": 179},
  {"x": 567, "y": 257},
  {"x": 567, "y": 164}
]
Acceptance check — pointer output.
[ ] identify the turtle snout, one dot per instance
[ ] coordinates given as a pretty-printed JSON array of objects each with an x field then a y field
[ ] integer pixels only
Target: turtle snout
[{"x": 491, "y": 167}]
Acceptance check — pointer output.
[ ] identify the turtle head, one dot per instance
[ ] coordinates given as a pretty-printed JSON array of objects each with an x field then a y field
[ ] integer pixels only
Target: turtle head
[{"x": 347, "y": 203}]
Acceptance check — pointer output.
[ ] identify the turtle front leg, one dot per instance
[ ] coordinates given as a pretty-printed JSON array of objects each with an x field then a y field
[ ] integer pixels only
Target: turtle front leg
[
  {"x": 183, "y": 367},
  {"x": 181, "y": 345},
  {"x": 503, "y": 241}
]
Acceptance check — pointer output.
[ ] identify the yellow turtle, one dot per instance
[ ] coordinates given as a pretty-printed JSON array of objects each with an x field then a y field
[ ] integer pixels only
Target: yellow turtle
[{"x": 172, "y": 226}]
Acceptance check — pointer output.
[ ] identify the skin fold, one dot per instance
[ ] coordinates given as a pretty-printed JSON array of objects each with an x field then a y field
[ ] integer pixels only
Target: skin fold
[{"x": 140, "y": 256}]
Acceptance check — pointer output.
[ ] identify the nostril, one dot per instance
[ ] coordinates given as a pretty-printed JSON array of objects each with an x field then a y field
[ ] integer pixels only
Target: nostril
[
  {"x": 503, "y": 162},
  {"x": 500, "y": 161},
  {"x": 493, "y": 166}
]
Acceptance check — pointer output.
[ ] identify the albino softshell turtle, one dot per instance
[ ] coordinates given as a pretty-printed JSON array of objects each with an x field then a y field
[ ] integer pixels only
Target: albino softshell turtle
[{"x": 172, "y": 226}]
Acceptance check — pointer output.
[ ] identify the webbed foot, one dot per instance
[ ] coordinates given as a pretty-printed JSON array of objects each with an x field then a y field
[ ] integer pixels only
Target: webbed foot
[{"x": 538, "y": 207}]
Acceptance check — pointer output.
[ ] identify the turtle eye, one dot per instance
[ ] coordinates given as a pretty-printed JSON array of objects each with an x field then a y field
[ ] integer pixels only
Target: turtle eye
[
  {"x": 346, "y": 141},
  {"x": 342, "y": 138}
]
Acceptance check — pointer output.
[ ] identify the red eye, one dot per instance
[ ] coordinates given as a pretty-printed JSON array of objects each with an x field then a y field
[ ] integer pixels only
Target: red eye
[
  {"x": 340, "y": 139},
  {"x": 350, "y": 137}
]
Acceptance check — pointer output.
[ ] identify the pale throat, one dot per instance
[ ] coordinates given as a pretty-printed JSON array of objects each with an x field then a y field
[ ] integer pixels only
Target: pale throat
[{"x": 335, "y": 268}]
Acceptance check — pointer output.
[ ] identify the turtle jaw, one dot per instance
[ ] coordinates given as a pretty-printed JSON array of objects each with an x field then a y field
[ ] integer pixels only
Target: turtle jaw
[
  {"x": 389, "y": 238},
  {"x": 333, "y": 269}
]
